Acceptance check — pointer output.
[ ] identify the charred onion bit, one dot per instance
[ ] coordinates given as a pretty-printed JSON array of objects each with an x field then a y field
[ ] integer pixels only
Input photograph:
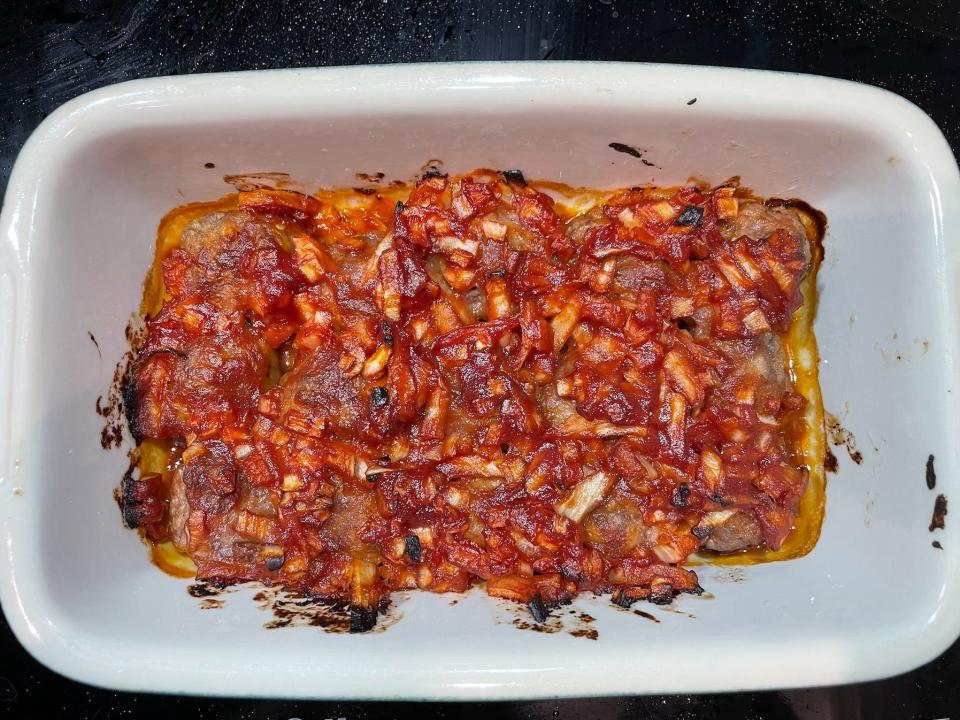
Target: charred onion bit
[
  {"x": 537, "y": 609},
  {"x": 471, "y": 384},
  {"x": 379, "y": 396},
  {"x": 691, "y": 215},
  {"x": 362, "y": 619},
  {"x": 413, "y": 548},
  {"x": 515, "y": 177}
]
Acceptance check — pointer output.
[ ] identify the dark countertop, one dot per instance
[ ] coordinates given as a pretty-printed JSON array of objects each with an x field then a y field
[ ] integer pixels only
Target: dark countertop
[{"x": 53, "y": 51}]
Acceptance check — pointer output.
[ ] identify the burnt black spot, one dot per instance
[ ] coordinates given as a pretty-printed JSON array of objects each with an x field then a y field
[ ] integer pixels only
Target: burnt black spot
[
  {"x": 661, "y": 595},
  {"x": 413, "y": 548},
  {"x": 939, "y": 513},
  {"x": 379, "y": 397},
  {"x": 646, "y": 615},
  {"x": 205, "y": 589},
  {"x": 127, "y": 498},
  {"x": 514, "y": 177},
  {"x": 504, "y": 448},
  {"x": 365, "y": 190},
  {"x": 131, "y": 404},
  {"x": 111, "y": 436},
  {"x": 830, "y": 463},
  {"x": 535, "y": 627},
  {"x": 291, "y": 609},
  {"x": 362, "y": 619},
  {"x": 387, "y": 334},
  {"x": 537, "y": 609},
  {"x": 125, "y": 386},
  {"x": 400, "y": 207},
  {"x": 274, "y": 562},
  {"x": 627, "y": 149},
  {"x": 432, "y": 171},
  {"x": 691, "y": 101},
  {"x": 209, "y": 166},
  {"x": 622, "y": 599},
  {"x": 94, "y": 340},
  {"x": 691, "y": 215},
  {"x": 699, "y": 532},
  {"x": 680, "y": 495},
  {"x": 931, "y": 474},
  {"x": 937, "y": 545},
  {"x": 122, "y": 401}
]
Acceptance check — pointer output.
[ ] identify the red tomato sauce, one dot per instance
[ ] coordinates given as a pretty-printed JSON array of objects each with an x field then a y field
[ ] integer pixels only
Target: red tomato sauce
[{"x": 359, "y": 392}]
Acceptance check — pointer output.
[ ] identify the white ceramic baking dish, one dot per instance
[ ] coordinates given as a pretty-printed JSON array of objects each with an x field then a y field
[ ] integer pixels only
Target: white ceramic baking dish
[{"x": 874, "y": 598}]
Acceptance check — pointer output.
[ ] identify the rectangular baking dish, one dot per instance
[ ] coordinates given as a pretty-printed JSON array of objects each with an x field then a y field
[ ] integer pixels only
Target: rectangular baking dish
[{"x": 873, "y": 599}]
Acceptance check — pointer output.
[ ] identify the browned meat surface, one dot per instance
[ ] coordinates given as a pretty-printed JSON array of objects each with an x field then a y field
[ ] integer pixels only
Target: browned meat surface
[
  {"x": 758, "y": 366},
  {"x": 318, "y": 393},
  {"x": 730, "y": 530},
  {"x": 757, "y": 221},
  {"x": 178, "y": 513},
  {"x": 208, "y": 345}
]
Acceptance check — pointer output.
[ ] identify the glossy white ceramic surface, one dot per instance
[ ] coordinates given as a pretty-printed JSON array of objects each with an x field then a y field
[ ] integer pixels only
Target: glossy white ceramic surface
[{"x": 76, "y": 235}]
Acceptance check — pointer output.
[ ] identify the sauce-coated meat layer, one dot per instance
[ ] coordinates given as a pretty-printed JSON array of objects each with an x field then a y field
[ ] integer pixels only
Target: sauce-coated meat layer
[{"x": 360, "y": 395}]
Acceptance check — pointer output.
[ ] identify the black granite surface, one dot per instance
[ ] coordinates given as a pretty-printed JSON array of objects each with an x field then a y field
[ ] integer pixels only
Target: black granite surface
[{"x": 53, "y": 51}]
